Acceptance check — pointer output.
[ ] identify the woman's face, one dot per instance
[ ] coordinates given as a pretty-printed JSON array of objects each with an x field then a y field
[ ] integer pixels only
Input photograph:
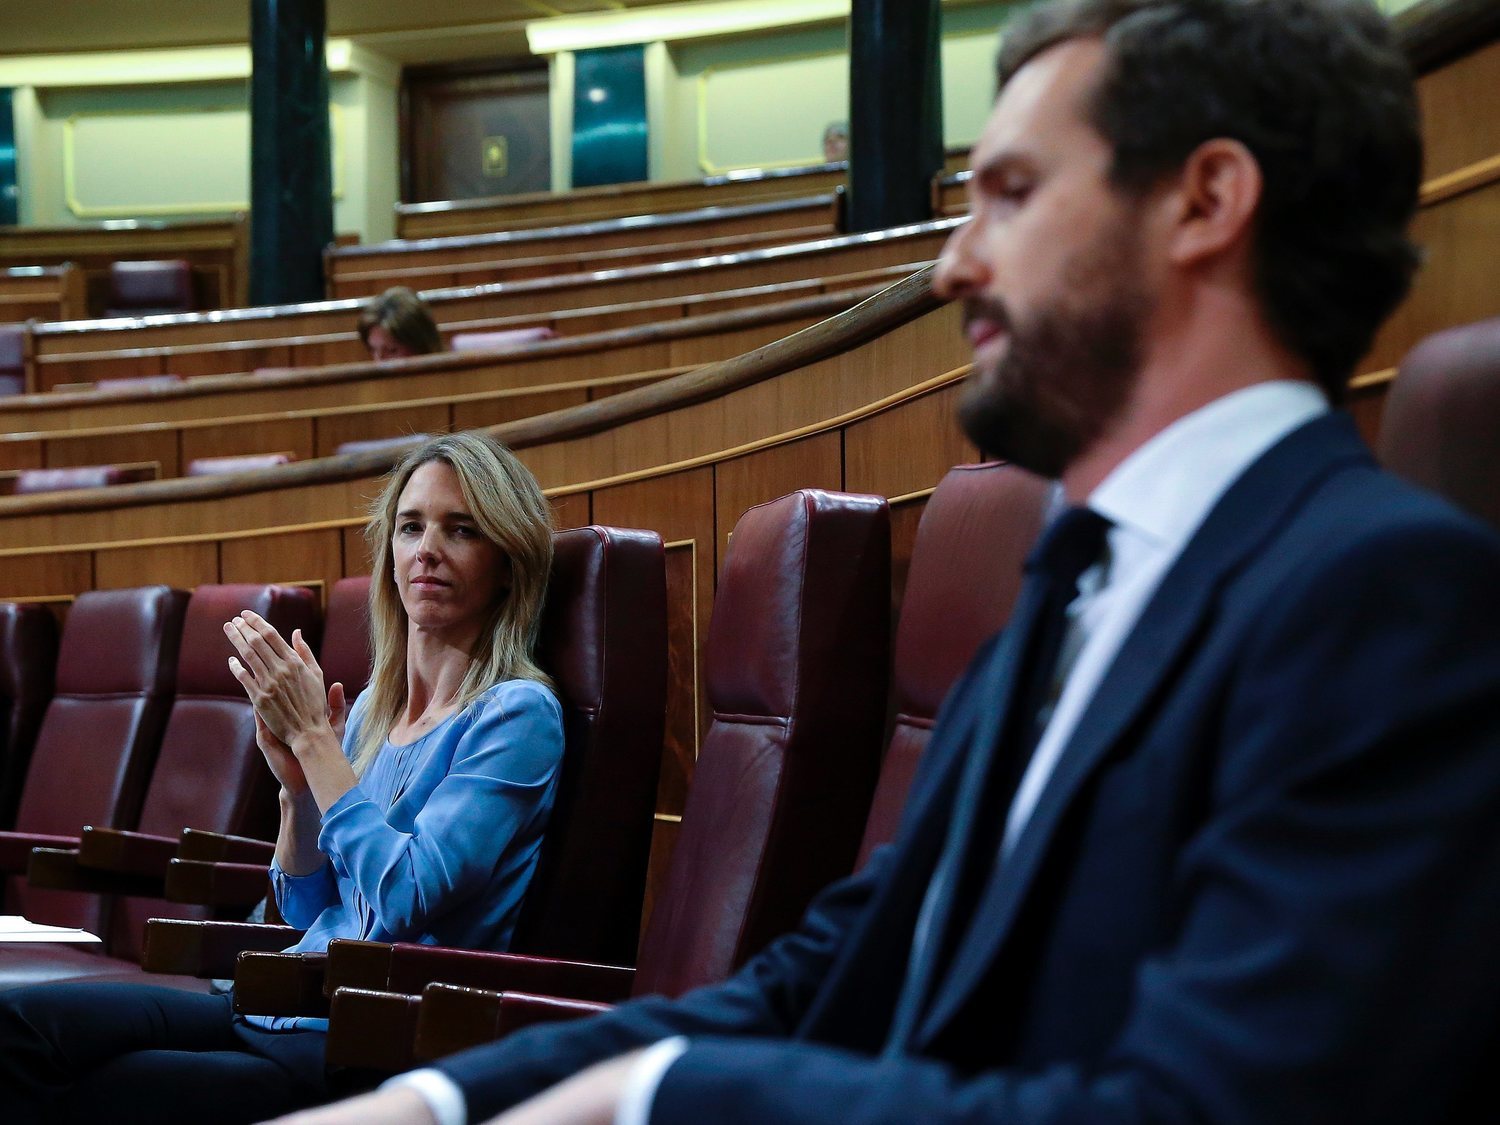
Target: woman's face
[
  {"x": 448, "y": 574},
  {"x": 383, "y": 345}
]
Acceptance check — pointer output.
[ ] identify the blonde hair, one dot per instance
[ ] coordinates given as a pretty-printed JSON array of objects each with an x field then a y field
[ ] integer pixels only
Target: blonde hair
[{"x": 508, "y": 506}]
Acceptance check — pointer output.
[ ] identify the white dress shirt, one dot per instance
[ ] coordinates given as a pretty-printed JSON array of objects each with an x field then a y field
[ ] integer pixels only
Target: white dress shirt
[{"x": 1155, "y": 499}]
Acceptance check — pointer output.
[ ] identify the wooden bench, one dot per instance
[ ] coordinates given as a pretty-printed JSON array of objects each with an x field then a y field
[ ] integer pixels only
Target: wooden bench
[
  {"x": 310, "y": 413},
  {"x": 41, "y": 293},
  {"x": 699, "y": 226},
  {"x": 218, "y": 251},
  {"x": 87, "y": 351},
  {"x": 609, "y": 201}
]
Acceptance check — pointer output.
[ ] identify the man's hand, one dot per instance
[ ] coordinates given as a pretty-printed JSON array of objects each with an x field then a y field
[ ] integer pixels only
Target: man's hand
[
  {"x": 383, "y": 1107},
  {"x": 590, "y": 1097}
]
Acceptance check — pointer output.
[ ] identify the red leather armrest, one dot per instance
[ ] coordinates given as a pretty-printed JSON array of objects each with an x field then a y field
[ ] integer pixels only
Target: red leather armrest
[
  {"x": 453, "y": 1018},
  {"x": 130, "y": 853},
  {"x": 413, "y": 967},
  {"x": 217, "y": 847},
  {"x": 207, "y": 949},
  {"x": 216, "y": 884},
  {"x": 280, "y": 984},
  {"x": 61, "y": 869},
  {"x": 15, "y": 848},
  {"x": 371, "y": 1029}
]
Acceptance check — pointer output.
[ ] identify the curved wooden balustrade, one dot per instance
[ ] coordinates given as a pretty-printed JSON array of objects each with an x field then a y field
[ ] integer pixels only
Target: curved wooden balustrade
[
  {"x": 700, "y": 224},
  {"x": 196, "y": 361},
  {"x": 83, "y": 351},
  {"x": 309, "y": 413},
  {"x": 608, "y": 201},
  {"x": 446, "y": 275}
]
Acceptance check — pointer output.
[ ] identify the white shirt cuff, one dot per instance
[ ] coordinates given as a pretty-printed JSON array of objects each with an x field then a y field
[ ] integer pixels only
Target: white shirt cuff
[
  {"x": 443, "y": 1097},
  {"x": 644, "y": 1078}
]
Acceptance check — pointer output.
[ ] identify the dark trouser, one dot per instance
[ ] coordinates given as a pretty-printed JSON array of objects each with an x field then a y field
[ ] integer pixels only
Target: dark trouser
[{"x": 139, "y": 1053}]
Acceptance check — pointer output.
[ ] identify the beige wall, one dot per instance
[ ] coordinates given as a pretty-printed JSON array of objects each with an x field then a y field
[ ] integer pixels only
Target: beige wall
[
  {"x": 166, "y": 135},
  {"x": 763, "y": 99}
]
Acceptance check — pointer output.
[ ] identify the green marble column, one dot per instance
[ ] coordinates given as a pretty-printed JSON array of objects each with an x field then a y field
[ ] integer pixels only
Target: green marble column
[
  {"x": 291, "y": 181},
  {"x": 895, "y": 111}
]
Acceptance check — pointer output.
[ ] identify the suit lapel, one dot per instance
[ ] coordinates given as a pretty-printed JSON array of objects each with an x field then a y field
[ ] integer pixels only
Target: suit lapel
[{"x": 1252, "y": 509}]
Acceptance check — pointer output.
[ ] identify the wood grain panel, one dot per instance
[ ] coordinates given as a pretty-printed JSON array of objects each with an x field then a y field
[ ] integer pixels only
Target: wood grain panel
[
  {"x": 156, "y": 446},
  {"x": 233, "y": 439},
  {"x": 706, "y": 349},
  {"x": 743, "y": 482},
  {"x": 21, "y": 455},
  {"x": 573, "y": 510},
  {"x": 42, "y": 573},
  {"x": 366, "y": 425},
  {"x": 183, "y": 565},
  {"x": 356, "y": 551},
  {"x": 491, "y": 412},
  {"x": 1460, "y": 280},
  {"x": 899, "y": 451},
  {"x": 1459, "y": 123},
  {"x": 289, "y": 558}
]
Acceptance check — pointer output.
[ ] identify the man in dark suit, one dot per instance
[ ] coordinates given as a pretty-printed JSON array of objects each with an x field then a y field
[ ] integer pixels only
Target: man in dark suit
[{"x": 1212, "y": 832}]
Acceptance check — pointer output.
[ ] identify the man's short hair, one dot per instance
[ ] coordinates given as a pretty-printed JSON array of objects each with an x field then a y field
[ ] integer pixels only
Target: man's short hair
[{"x": 1323, "y": 98}]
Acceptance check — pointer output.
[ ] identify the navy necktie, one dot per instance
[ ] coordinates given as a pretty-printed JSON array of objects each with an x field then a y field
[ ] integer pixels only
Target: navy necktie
[{"x": 1070, "y": 545}]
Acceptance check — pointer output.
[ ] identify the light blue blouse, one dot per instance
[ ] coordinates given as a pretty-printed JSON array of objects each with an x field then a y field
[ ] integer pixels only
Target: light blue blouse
[{"x": 438, "y": 841}]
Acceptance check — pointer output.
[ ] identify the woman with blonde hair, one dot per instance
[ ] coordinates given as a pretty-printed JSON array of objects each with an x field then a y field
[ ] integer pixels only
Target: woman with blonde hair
[{"x": 420, "y": 819}]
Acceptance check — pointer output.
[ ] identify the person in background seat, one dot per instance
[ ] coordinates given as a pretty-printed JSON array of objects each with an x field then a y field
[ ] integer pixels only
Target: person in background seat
[{"x": 397, "y": 324}]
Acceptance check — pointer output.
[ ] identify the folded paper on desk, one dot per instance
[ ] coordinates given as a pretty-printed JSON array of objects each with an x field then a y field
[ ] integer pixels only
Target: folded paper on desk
[{"x": 15, "y": 928}]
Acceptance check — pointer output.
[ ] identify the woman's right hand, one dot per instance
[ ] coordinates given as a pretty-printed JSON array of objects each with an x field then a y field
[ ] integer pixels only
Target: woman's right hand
[{"x": 279, "y": 756}]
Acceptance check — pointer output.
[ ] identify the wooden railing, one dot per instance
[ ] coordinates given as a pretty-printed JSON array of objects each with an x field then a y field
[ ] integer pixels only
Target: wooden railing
[
  {"x": 696, "y": 227},
  {"x": 86, "y": 351},
  {"x": 310, "y": 412},
  {"x": 217, "y": 250},
  {"x": 41, "y": 292}
]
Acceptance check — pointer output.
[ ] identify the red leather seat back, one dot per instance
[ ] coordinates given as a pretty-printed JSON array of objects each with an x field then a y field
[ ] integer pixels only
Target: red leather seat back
[
  {"x": 28, "y": 663},
  {"x": 964, "y": 576},
  {"x": 100, "y": 735},
  {"x": 604, "y": 642},
  {"x": 796, "y": 663},
  {"x": 143, "y": 288},
  {"x": 1439, "y": 429},
  {"x": 345, "y": 655},
  {"x": 209, "y": 773},
  {"x": 12, "y": 349},
  {"x": 248, "y": 463}
]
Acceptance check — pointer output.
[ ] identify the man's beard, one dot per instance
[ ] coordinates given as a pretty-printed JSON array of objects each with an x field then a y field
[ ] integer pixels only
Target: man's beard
[{"x": 1065, "y": 375}]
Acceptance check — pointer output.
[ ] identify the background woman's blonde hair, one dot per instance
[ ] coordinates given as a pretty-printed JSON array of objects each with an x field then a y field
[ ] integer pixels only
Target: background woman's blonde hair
[{"x": 511, "y": 512}]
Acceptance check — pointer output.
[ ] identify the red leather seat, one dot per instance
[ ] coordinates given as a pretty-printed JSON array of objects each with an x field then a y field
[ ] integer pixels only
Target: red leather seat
[
  {"x": 1441, "y": 427},
  {"x": 99, "y": 737},
  {"x": 964, "y": 575},
  {"x": 500, "y": 341},
  {"x": 345, "y": 653},
  {"x": 603, "y": 640},
  {"x": 796, "y": 661},
  {"x": 146, "y": 288},
  {"x": 28, "y": 663},
  {"x": 208, "y": 774}
]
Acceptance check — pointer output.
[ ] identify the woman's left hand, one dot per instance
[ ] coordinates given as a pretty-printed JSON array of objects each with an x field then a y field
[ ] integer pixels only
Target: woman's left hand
[{"x": 283, "y": 681}]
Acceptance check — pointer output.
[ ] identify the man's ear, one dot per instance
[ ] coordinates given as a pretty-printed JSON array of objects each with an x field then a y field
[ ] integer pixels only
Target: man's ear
[{"x": 1218, "y": 192}]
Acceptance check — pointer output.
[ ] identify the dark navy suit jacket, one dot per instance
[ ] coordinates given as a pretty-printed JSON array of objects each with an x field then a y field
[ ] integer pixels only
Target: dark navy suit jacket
[{"x": 1263, "y": 884}]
